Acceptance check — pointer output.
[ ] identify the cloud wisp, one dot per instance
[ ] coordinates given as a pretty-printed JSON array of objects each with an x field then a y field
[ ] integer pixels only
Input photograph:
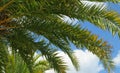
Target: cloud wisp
[
  {"x": 116, "y": 60},
  {"x": 89, "y": 63}
]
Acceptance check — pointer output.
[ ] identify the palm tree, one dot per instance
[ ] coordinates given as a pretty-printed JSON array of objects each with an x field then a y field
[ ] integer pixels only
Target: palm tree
[
  {"x": 38, "y": 25},
  {"x": 17, "y": 65}
]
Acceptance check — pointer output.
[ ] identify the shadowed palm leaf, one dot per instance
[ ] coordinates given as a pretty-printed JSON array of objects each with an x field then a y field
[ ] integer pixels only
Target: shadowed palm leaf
[
  {"x": 33, "y": 25},
  {"x": 15, "y": 63}
]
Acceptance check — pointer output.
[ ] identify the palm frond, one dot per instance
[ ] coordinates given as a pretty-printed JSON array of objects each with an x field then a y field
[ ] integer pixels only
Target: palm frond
[
  {"x": 6, "y": 5},
  {"x": 54, "y": 60},
  {"x": 64, "y": 32},
  {"x": 94, "y": 13},
  {"x": 114, "y": 1},
  {"x": 40, "y": 65},
  {"x": 44, "y": 19},
  {"x": 3, "y": 57}
]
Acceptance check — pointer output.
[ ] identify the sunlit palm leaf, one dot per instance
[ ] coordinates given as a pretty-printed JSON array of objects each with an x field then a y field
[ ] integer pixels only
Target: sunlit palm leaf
[{"x": 43, "y": 18}]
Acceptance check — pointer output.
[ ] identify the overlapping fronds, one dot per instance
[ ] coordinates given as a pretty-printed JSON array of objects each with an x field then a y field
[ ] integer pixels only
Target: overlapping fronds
[
  {"x": 4, "y": 18},
  {"x": 43, "y": 18},
  {"x": 114, "y": 1},
  {"x": 12, "y": 62},
  {"x": 95, "y": 13},
  {"x": 5, "y": 6},
  {"x": 56, "y": 61},
  {"x": 3, "y": 57},
  {"x": 64, "y": 32},
  {"x": 16, "y": 64},
  {"x": 40, "y": 65},
  {"x": 27, "y": 55},
  {"x": 25, "y": 48}
]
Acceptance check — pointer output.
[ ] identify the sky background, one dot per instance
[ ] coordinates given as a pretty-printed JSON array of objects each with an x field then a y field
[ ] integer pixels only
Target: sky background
[{"x": 90, "y": 63}]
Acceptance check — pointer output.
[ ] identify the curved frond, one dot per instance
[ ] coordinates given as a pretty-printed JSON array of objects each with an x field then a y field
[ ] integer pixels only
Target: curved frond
[
  {"x": 3, "y": 57},
  {"x": 54, "y": 60},
  {"x": 63, "y": 32},
  {"x": 43, "y": 18},
  {"x": 114, "y": 1}
]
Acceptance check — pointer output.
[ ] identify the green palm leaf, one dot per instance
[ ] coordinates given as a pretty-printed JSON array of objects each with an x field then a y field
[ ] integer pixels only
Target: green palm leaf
[{"x": 44, "y": 18}]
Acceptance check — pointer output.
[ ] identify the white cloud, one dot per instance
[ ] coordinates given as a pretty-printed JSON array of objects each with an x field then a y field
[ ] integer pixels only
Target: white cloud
[
  {"x": 117, "y": 59},
  {"x": 89, "y": 63}
]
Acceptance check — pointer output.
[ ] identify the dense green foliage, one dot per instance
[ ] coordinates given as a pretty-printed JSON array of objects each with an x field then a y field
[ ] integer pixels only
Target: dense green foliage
[
  {"x": 38, "y": 25},
  {"x": 15, "y": 63}
]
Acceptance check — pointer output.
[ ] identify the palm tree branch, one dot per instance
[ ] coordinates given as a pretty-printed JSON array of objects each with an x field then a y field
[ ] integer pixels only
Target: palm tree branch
[
  {"x": 52, "y": 57},
  {"x": 73, "y": 34}
]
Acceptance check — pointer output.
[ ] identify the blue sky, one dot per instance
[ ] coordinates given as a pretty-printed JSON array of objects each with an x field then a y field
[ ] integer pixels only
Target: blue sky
[
  {"x": 114, "y": 41},
  {"x": 107, "y": 36},
  {"x": 90, "y": 63}
]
